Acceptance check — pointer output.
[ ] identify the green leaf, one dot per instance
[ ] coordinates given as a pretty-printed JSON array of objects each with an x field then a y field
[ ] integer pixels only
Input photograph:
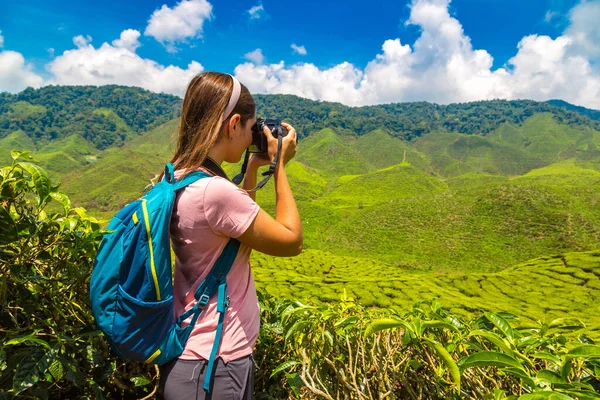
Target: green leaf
[
  {"x": 298, "y": 325},
  {"x": 329, "y": 337},
  {"x": 494, "y": 339},
  {"x": 382, "y": 324},
  {"x": 585, "y": 351},
  {"x": 549, "y": 376},
  {"x": 283, "y": 366},
  {"x": 140, "y": 380},
  {"x": 295, "y": 383},
  {"x": 573, "y": 385},
  {"x": 56, "y": 370},
  {"x": 16, "y": 154},
  {"x": 8, "y": 229},
  {"x": 499, "y": 394},
  {"x": 73, "y": 374},
  {"x": 41, "y": 180},
  {"x": 346, "y": 321},
  {"x": 33, "y": 367},
  {"x": 98, "y": 394},
  {"x": 583, "y": 394},
  {"x": 501, "y": 324},
  {"x": 566, "y": 323},
  {"x": 438, "y": 325},
  {"x": 522, "y": 375},
  {"x": 490, "y": 358},
  {"x": 27, "y": 339},
  {"x": 546, "y": 356},
  {"x": 545, "y": 395},
  {"x": 565, "y": 370},
  {"x": 448, "y": 362},
  {"x": 62, "y": 199}
]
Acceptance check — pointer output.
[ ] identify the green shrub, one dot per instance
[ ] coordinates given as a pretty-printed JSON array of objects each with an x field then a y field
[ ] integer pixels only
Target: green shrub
[{"x": 50, "y": 347}]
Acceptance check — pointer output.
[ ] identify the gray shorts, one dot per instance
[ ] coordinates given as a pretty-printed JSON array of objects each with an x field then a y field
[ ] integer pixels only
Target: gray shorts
[{"x": 183, "y": 379}]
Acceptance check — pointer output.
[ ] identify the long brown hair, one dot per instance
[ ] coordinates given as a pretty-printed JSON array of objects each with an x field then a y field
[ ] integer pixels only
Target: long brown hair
[{"x": 205, "y": 100}]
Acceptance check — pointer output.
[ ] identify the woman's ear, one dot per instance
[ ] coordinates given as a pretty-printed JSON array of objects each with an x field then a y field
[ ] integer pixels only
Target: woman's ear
[{"x": 234, "y": 123}]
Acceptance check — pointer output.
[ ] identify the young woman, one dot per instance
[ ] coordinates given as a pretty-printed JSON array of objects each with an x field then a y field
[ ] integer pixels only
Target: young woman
[{"x": 216, "y": 122}]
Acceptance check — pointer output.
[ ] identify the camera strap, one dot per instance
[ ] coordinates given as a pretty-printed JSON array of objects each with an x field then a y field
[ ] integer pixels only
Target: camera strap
[
  {"x": 239, "y": 177},
  {"x": 267, "y": 174}
]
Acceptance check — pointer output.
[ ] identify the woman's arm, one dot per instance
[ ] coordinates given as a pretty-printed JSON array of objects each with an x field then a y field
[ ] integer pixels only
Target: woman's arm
[
  {"x": 281, "y": 236},
  {"x": 250, "y": 180}
]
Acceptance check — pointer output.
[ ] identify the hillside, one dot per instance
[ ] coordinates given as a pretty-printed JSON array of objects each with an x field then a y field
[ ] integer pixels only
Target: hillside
[
  {"x": 477, "y": 203},
  {"x": 480, "y": 187},
  {"x": 593, "y": 114}
]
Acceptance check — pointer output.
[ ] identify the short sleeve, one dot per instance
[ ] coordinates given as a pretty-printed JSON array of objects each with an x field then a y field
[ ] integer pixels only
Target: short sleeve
[{"x": 229, "y": 210}]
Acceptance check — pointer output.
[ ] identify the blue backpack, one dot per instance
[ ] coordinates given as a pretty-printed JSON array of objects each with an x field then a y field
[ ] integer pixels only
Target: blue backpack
[{"x": 131, "y": 288}]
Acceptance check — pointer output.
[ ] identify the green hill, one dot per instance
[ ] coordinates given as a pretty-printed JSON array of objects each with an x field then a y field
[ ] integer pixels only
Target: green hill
[
  {"x": 17, "y": 140},
  {"x": 593, "y": 114},
  {"x": 454, "y": 154},
  {"x": 451, "y": 200},
  {"x": 119, "y": 175},
  {"x": 383, "y": 150},
  {"x": 487, "y": 227},
  {"x": 402, "y": 180},
  {"x": 332, "y": 154},
  {"x": 67, "y": 154}
]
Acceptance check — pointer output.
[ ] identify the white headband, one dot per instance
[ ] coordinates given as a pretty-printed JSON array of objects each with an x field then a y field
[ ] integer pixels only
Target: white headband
[{"x": 235, "y": 96}]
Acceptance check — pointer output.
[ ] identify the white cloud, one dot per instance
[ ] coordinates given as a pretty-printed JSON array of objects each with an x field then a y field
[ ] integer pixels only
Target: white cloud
[
  {"x": 128, "y": 40},
  {"x": 256, "y": 56},
  {"x": 15, "y": 74},
  {"x": 173, "y": 25},
  {"x": 110, "y": 64},
  {"x": 50, "y": 51},
  {"x": 584, "y": 28},
  {"x": 299, "y": 49},
  {"x": 81, "y": 41},
  {"x": 442, "y": 66},
  {"x": 257, "y": 12},
  {"x": 1, "y": 40},
  {"x": 305, "y": 80},
  {"x": 550, "y": 15}
]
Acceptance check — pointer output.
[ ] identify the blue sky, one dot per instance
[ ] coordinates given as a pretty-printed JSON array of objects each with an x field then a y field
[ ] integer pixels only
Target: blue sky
[{"x": 344, "y": 43}]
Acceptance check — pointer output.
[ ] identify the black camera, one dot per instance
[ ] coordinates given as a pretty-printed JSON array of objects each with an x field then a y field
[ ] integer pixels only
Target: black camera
[{"x": 259, "y": 140}]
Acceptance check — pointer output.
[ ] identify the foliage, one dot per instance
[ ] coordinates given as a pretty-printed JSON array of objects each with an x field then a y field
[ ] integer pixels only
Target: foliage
[
  {"x": 51, "y": 349},
  {"x": 49, "y": 345},
  {"x": 346, "y": 351},
  {"x": 541, "y": 289}
]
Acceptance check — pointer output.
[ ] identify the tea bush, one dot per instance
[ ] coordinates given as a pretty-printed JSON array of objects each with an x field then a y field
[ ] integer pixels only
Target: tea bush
[{"x": 50, "y": 347}]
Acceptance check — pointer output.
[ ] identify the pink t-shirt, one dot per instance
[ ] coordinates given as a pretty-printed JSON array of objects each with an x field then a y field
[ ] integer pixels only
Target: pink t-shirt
[{"x": 205, "y": 215}]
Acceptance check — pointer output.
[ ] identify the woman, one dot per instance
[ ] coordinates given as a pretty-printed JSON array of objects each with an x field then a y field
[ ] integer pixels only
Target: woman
[{"x": 216, "y": 125}]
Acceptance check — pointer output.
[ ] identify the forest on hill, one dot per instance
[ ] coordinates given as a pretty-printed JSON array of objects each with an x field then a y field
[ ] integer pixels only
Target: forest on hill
[{"x": 107, "y": 115}]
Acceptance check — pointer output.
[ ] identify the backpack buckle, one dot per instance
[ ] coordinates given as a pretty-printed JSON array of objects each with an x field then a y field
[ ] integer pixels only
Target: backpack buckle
[
  {"x": 203, "y": 300},
  {"x": 227, "y": 302}
]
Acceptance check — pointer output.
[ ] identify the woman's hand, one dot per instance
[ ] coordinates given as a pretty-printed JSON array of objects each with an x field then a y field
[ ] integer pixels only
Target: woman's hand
[
  {"x": 258, "y": 160},
  {"x": 288, "y": 146}
]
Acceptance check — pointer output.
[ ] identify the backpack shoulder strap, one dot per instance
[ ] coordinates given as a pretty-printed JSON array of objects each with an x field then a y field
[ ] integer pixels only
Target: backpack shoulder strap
[
  {"x": 215, "y": 282},
  {"x": 189, "y": 179}
]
